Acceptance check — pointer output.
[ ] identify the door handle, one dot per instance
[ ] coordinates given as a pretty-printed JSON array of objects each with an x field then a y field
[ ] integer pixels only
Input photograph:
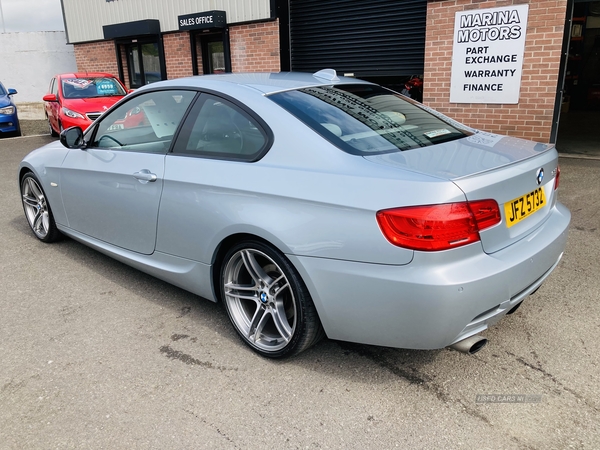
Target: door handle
[{"x": 145, "y": 175}]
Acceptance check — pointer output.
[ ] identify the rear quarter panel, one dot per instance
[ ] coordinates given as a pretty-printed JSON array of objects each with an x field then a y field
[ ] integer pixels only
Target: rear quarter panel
[{"x": 305, "y": 196}]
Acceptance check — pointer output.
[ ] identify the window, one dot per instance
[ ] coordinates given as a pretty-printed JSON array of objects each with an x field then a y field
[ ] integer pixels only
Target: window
[
  {"x": 364, "y": 119},
  {"x": 219, "y": 129},
  {"x": 89, "y": 87},
  {"x": 53, "y": 87},
  {"x": 146, "y": 123}
]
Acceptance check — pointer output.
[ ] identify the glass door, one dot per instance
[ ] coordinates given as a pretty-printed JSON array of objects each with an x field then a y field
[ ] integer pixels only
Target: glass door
[
  {"x": 216, "y": 57},
  {"x": 151, "y": 62},
  {"x": 143, "y": 63},
  {"x": 135, "y": 66},
  {"x": 211, "y": 54}
]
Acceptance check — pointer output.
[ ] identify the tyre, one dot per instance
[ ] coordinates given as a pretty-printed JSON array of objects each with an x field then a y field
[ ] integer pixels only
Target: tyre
[
  {"x": 52, "y": 132},
  {"x": 267, "y": 302},
  {"x": 37, "y": 210}
]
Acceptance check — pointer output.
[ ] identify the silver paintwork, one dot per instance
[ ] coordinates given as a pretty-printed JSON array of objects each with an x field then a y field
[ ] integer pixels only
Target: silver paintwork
[
  {"x": 438, "y": 298},
  {"x": 317, "y": 205},
  {"x": 129, "y": 217}
]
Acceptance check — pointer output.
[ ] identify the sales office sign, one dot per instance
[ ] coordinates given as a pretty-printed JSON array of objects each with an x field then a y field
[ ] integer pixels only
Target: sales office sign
[
  {"x": 202, "y": 21},
  {"x": 487, "y": 57}
]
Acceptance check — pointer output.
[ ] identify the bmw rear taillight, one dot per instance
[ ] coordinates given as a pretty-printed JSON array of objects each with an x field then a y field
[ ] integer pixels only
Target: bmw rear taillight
[
  {"x": 557, "y": 178},
  {"x": 438, "y": 227}
]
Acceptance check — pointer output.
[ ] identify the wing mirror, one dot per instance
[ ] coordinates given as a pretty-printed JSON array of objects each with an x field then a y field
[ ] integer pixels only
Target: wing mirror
[
  {"x": 12, "y": 91},
  {"x": 50, "y": 98},
  {"x": 72, "y": 138}
]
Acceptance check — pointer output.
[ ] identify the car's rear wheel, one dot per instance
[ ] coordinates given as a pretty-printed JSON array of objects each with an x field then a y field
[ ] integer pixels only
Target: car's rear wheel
[
  {"x": 267, "y": 302},
  {"x": 37, "y": 210}
]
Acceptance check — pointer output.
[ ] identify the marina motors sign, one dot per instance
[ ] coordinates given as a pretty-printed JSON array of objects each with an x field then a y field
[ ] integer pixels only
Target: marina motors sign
[{"x": 487, "y": 56}]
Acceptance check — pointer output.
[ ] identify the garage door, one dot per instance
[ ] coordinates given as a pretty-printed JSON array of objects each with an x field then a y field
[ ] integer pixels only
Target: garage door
[{"x": 366, "y": 38}]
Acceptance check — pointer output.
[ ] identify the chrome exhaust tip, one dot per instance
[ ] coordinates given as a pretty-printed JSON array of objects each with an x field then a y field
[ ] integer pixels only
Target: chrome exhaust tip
[{"x": 470, "y": 345}]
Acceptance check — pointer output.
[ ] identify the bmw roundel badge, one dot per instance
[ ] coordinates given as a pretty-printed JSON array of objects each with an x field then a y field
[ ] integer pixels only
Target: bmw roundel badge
[{"x": 540, "y": 176}]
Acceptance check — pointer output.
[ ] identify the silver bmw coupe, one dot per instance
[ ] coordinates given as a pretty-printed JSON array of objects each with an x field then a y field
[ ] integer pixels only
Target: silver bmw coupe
[{"x": 310, "y": 205}]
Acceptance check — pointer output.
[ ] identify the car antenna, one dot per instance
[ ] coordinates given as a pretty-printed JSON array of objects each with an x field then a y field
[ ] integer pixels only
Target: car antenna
[{"x": 327, "y": 74}]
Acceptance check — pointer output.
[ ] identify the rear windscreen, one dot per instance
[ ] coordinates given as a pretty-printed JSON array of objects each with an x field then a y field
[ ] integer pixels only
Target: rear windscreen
[{"x": 367, "y": 119}]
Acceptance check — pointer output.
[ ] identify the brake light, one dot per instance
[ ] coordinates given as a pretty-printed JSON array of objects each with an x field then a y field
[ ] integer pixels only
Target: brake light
[
  {"x": 557, "y": 178},
  {"x": 438, "y": 227}
]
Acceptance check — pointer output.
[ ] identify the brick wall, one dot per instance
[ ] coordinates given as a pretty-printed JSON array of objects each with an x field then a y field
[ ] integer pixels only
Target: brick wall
[
  {"x": 532, "y": 117},
  {"x": 96, "y": 57},
  {"x": 178, "y": 55},
  {"x": 255, "y": 47}
]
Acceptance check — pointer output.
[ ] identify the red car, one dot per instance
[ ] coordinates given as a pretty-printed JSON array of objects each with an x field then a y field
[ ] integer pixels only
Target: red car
[{"x": 77, "y": 99}]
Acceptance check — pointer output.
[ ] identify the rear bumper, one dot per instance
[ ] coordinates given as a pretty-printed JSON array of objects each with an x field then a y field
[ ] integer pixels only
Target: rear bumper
[{"x": 437, "y": 299}]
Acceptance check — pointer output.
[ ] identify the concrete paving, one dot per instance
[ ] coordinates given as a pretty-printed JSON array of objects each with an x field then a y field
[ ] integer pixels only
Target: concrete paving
[{"x": 98, "y": 355}]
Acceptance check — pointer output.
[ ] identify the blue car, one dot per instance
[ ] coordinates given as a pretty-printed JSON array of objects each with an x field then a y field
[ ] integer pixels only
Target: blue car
[{"x": 9, "y": 121}]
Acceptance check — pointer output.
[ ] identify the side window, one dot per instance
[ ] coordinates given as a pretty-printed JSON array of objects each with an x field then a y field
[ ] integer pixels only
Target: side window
[
  {"x": 145, "y": 123},
  {"x": 219, "y": 129},
  {"x": 53, "y": 89}
]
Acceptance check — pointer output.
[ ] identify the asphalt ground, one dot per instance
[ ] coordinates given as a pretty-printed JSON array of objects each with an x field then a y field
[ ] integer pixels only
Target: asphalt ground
[
  {"x": 34, "y": 127},
  {"x": 97, "y": 355}
]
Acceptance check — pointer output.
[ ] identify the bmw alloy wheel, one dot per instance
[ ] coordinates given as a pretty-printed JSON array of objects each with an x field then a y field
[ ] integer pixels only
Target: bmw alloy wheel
[
  {"x": 267, "y": 303},
  {"x": 37, "y": 210}
]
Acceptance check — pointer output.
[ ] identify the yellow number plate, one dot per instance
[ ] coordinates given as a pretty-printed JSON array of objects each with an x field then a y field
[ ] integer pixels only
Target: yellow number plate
[{"x": 522, "y": 207}]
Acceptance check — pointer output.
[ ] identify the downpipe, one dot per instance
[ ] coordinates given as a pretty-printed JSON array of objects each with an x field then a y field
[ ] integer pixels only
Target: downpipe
[{"x": 470, "y": 345}]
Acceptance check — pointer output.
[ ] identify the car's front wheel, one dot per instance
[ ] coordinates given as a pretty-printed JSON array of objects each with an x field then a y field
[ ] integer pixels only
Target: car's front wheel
[
  {"x": 37, "y": 210},
  {"x": 267, "y": 302},
  {"x": 52, "y": 132}
]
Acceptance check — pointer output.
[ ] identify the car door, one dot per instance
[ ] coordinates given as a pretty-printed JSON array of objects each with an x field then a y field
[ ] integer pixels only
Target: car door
[
  {"x": 52, "y": 108},
  {"x": 111, "y": 189}
]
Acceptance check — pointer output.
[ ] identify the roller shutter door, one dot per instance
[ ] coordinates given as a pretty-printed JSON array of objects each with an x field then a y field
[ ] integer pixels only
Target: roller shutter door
[{"x": 367, "y": 38}]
